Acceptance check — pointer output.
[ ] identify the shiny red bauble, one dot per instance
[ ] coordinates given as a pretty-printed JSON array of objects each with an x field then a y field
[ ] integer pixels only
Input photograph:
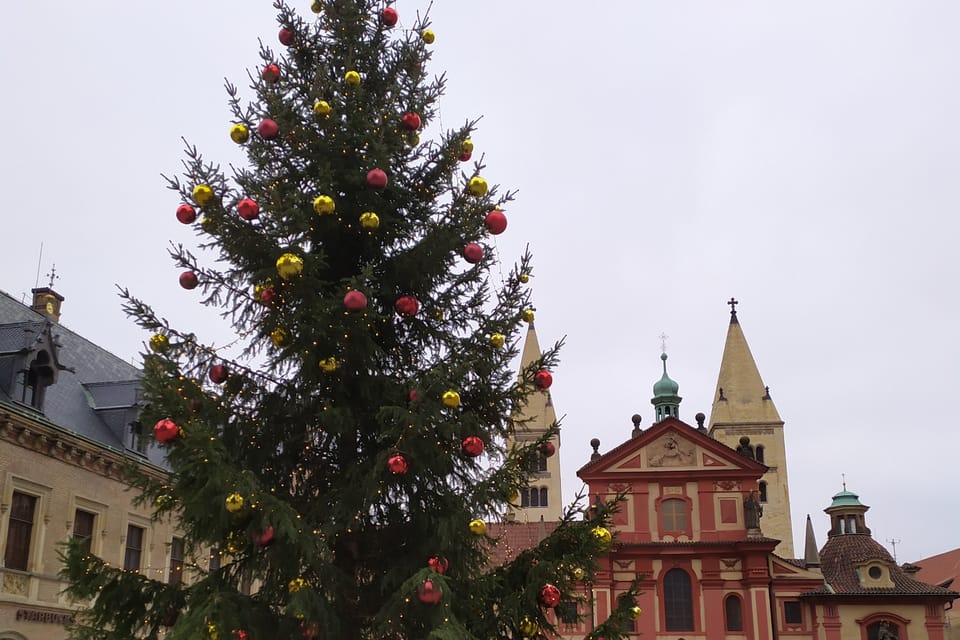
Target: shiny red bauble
[
  {"x": 548, "y": 449},
  {"x": 270, "y": 73},
  {"x": 376, "y": 178},
  {"x": 397, "y": 464},
  {"x": 309, "y": 631},
  {"x": 186, "y": 214},
  {"x": 495, "y": 222},
  {"x": 189, "y": 280},
  {"x": 439, "y": 564},
  {"x": 268, "y": 129},
  {"x": 248, "y": 209},
  {"x": 410, "y": 121},
  {"x": 355, "y": 301},
  {"x": 429, "y": 593},
  {"x": 407, "y": 306},
  {"x": 286, "y": 37},
  {"x": 218, "y": 374},
  {"x": 465, "y": 156},
  {"x": 268, "y": 296},
  {"x": 264, "y": 538},
  {"x": 166, "y": 430},
  {"x": 415, "y": 396},
  {"x": 543, "y": 379},
  {"x": 549, "y": 596},
  {"x": 472, "y": 446},
  {"x": 473, "y": 253},
  {"x": 389, "y": 16}
]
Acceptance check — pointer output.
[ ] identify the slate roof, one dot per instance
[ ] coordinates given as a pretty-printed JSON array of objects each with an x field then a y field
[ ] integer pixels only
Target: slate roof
[
  {"x": 843, "y": 554},
  {"x": 95, "y": 395}
]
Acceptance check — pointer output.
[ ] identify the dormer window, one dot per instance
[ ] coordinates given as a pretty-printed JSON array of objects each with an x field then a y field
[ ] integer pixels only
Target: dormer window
[
  {"x": 33, "y": 381},
  {"x": 875, "y": 575}
]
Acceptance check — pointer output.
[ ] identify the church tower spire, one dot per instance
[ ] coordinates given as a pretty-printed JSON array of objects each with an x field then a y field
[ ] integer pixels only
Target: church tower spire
[
  {"x": 743, "y": 407},
  {"x": 665, "y": 400},
  {"x": 542, "y": 500}
]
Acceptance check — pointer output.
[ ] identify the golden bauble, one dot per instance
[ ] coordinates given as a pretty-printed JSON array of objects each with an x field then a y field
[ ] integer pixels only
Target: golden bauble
[
  {"x": 524, "y": 278},
  {"x": 279, "y": 337},
  {"x": 324, "y": 205},
  {"x": 159, "y": 343},
  {"x": 602, "y": 535},
  {"x": 428, "y": 36},
  {"x": 477, "y": 186},
  {"x": 322, "y": 108},
  {"x": 451, "y": 399},
  {"x": 369, "y": 220},
  {"x": 478, "y": 527},
  {"x": 352, "y": 78},
  {"x": 635, "y": 612},
  {"x": 234, "y": 502},
  {"x": 289, "y": 265},
  {"x": 528, "y": 627},
  {"x": 239, "y": 133},
  {"x": 329, "y": 365},
  {"x": 497, "y": 340},
  {"x": 528, "y": 315},
  {"x": 202, "y": 194},
  {"x": 297, "y": 584},
  {"x": 579, "y": 573},
  {"x": 316, "y": 6},
  {"x": 467, "y": 146}
]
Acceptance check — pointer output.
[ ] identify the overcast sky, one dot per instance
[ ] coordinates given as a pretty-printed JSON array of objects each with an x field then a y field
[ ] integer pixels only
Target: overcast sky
[{"x": 800, "y": 156}]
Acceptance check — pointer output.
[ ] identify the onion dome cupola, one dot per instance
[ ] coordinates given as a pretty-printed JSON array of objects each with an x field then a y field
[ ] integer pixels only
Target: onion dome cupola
[
  {"x": 847, "y": 514},
  {"x": 665, "y": 400}
]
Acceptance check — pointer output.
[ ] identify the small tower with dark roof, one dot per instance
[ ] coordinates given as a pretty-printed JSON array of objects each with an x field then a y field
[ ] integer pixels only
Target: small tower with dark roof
[{"x": 665, "y": 400}]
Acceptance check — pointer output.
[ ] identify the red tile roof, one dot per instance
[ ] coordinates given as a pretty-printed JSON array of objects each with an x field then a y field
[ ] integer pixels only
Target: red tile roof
[
  {"x": 940, "y": 569},
  {"x": 512, "y": 538}
]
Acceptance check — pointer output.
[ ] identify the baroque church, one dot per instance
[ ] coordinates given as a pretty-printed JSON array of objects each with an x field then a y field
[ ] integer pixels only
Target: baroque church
[{"x": 706, "y": 525}]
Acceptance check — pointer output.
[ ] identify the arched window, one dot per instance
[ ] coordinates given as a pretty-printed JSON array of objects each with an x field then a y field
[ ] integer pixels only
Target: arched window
[
  {"x": 758, "y": 452},
  {"x": 677, "y": 601},
  {"x": 885, "y": 628},
  {"x": 763, "y": 490},
  {"x": 733, "y": 610},
  {"x": 674, "y": 513},
  {"x": 543, "y": 496}
]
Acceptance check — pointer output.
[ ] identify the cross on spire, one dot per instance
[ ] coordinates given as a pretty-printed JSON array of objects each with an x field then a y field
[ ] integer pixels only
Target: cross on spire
[
  {"x": 663, "y": 342},
  {"x": 53, "y": 275},
  {"x": 733, "y": 302}
]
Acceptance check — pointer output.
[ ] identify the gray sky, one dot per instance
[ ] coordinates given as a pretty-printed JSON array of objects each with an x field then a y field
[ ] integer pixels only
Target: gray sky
[{"x": 800, "y": 156}]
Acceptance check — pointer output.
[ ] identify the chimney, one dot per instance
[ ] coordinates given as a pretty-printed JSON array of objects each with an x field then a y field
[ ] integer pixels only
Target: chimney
[{"x": 47, "y": 302}]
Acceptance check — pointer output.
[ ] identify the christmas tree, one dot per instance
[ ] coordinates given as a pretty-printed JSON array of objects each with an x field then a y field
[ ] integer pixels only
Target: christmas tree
[{"x": 342, "y": 459}]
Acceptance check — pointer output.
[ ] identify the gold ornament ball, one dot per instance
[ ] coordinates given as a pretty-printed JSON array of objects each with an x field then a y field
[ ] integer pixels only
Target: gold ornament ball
[
  {"x": 159, "y": 343},
  {"x": 202, "y": 194},
  {"x": 239, "y": 133},
  {"x": 352, "y": 78},
  {"x": 297, "y": 584},
  {"x": 413, "y": 138},
  {"x": 162, "y": 501},
  {"x": 428, "y": 36},
  {"x": 579, "y": 573},
  {"x": 524, "y": 278},
  {"x": 635, "y": 612},
  {"x": 289, "y": 265},
  {"x": 478, "y": 527},
  {"x": 477, "y": 186},
  {"x": 234, "y": 502},
  {"x": 329, "y": 365},
  {"x": 212, "y": 631},
  {"x": 316, "y": 6},
  {"x": 528, "y": 628},
  {"x": 322, "y": 108},
  {"x": 498, "y": 340},
  {"x": 467, "y": 146},
  {"x": 369, "y": 220},
  {"x": 279, "y": 337},
  {"x": 528, "y": 315},
  {"x": 324, "y": 205},
  {"x": 602, "y": 535},
  {"x": 451, "y": 399},
  {"x": 514, "y": 497}
]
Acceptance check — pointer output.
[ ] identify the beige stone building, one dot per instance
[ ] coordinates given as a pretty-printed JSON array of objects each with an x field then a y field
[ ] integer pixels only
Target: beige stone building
[{"x": 68, "y": 426}]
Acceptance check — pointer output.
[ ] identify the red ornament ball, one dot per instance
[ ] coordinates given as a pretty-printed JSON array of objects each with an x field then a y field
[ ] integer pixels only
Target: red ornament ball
[
  {"x": 355, "y": 301},
  {"x": 549, "y": 596},
  {"x": 219, "y": 374},
  {"x": 439, "y": 564},
  {"x": 389, "y": 16},
  {"x": 248, "y": 209},
  {"x": 407, "y": 306},
  {"x": 166, "y": 430},
  {"x": 268, "y": 129},
  {"x": 465, "y": 156},
  {"x": 397, "y": 464},
  {"x": 548, "y": 449},
  {"x": 188, "y": 280},
  {"x": 543, "y": 379},
  {"x": 429, "y": 593},
  {"x": 264, "y": 538},
  {"x": 472, "y": 446},
  {"x": 186, "y": 214},
  {"x": 268, "y": 296},
  {"x": 495, "y": 222},
  {"x": 286, "y": 37},
  {"x": 376, "y": 178},
  {"x": 473, "y": 253},
  {"x": 270, "y": 73},
  {"x": 410, "y": 121},
  {"x": 414, "y": 396},
  {"x": 309, "y": 631}
]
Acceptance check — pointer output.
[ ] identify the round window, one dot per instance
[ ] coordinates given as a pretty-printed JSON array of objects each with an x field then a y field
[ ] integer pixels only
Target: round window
[{"x": 875, "y": 572}]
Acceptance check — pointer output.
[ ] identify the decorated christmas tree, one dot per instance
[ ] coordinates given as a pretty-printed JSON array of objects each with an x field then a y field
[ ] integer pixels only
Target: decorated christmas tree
[{"x": 332, "y": 472}]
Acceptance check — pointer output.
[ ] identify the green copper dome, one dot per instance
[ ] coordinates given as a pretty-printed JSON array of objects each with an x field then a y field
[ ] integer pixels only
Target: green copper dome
[
  {"x": 846, "y": 499},
  {"x": 665, "y": 387}
]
